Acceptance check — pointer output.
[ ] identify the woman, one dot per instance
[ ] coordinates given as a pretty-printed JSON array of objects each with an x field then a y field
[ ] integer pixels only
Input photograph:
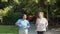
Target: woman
[
  {"x": 23, "y": 25},
  {"x": 41, "y": 23}
]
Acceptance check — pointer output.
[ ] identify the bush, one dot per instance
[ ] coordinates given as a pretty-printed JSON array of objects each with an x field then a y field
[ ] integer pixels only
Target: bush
[{"x": 11, "y": 18}]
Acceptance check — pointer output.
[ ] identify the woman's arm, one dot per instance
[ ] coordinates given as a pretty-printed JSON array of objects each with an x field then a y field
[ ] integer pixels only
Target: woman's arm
[
  {"x": 28, "y": 24},
  {"x": 36, "y": 23},
  {"x": 18, "y": 24},
  {"x": 46, "y": 22}
]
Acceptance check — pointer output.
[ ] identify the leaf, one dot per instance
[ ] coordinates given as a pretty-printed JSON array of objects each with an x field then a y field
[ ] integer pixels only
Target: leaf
[
  {"x": 4, "y": 0},
  {"x": 36, "y": 1}
]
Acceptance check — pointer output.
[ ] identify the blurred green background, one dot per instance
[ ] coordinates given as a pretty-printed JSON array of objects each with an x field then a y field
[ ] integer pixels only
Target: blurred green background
[{"x": 11, "y": 10}]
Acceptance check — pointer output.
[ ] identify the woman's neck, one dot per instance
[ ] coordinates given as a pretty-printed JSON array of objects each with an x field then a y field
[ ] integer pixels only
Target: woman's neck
[
  {"x": 23, "y": 19},
  {"x": 41, "y": 17}
]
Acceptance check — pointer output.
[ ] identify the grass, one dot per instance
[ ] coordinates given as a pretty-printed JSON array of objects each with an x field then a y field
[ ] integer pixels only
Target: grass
[{"x": 8, "y": 30}]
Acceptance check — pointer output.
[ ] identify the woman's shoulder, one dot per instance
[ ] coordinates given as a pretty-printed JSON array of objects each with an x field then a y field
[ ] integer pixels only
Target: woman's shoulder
[
  {"x": 44, "y": 18},
  {"x": 38, "y": 18},
  {"x": 27, "y": 20},
  {"x": 19, "y": 19}
]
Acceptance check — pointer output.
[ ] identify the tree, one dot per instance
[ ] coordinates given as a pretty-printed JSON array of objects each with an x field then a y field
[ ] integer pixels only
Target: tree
[{"x": 14, "y": 8}]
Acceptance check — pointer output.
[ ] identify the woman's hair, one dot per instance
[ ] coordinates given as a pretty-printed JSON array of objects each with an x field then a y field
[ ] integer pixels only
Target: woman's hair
[{"x": 42, "y": 13}]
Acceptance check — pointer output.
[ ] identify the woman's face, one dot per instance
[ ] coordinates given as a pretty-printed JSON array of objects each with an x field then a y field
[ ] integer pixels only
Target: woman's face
[
  {"x": 24, "y": 17},
  {"x": 41, "y": 14}
]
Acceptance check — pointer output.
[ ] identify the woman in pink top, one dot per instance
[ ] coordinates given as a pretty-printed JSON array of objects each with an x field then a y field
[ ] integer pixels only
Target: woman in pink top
[{"x": 41, "y": 23}]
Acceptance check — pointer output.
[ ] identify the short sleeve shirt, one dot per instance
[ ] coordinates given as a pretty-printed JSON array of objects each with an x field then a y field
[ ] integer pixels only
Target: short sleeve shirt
[
  {"x": 41, "y": 24},
  {"x": 23, "y": 23}
]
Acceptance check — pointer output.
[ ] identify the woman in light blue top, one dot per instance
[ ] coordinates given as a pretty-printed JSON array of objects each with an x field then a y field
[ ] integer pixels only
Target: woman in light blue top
[{"x": 23, "y": 25}]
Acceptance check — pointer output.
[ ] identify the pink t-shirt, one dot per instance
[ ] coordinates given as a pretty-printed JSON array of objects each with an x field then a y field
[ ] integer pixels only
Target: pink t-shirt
[{"x": 41, "y": 24}]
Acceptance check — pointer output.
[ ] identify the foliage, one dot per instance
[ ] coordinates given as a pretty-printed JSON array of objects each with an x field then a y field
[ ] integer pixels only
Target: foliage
[{"x": 14, "y": 8}]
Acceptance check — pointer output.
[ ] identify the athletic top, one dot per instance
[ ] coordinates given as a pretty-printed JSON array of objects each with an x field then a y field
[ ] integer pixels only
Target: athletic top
[
  {"x": 23, "y": 23},
  {"x": 41, "y": 24}
]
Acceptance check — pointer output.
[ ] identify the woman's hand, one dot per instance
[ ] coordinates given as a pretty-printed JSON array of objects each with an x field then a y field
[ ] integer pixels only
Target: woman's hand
[
  {"x": 18, "y": 25},
  {"x": 28, "y": 26}
]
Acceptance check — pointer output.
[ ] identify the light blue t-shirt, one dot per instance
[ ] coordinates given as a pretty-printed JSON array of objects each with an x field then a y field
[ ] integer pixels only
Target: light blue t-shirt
[{"x": 23, "y": 23}]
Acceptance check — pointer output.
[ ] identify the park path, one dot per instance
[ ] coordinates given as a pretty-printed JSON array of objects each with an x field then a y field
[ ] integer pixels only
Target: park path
[{"x": 32, "y": 30}]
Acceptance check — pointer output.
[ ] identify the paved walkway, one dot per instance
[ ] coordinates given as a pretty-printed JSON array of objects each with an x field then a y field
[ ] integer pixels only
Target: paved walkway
[{"x": 32, "y": 30}]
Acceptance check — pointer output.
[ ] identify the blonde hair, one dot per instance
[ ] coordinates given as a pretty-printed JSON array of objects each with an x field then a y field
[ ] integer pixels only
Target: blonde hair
[{"x": 41, "y": 13}]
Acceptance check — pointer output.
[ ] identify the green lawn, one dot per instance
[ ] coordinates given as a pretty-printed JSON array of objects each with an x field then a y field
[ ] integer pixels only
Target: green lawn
[{"x": 8, "y": 30}]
